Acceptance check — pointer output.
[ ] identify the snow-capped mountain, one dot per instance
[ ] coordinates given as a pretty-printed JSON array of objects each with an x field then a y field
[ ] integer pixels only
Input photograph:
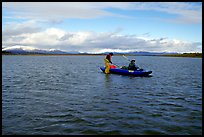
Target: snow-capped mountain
[{"x": 31, "y": 50}]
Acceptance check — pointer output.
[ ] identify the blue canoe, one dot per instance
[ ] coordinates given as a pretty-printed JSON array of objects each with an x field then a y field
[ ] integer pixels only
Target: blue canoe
[{"x": 119, "y": 71}]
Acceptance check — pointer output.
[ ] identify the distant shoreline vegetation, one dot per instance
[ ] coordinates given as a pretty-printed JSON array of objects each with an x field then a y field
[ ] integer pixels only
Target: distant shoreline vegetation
[{"x": 192, "y": 55}]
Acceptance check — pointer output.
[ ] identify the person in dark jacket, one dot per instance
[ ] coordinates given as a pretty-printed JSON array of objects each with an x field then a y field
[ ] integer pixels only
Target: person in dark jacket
[
  {"x": 132, "y": 65},
  {"x": 107, "y": 62}
]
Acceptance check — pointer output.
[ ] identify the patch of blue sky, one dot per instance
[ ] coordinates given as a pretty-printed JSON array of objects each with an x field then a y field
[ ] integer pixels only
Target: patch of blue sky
[
  {"x": 97, "y": 25},
  {"x": 158, "y": 24},
  {"x": 121, "y": 19},
  {"x": 133, "y": 26},
  {"x": 9, "y": 17},
  {"x": 141, "y": 13},
  {"x": 195, "y": 4}
]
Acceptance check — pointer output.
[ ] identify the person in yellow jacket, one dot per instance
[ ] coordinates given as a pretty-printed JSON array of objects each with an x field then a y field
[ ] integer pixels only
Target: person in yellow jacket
[{"x": 107, "y": 62}]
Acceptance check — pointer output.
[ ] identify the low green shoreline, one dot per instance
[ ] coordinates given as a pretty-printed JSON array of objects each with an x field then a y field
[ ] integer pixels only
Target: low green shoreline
[{"x": 190, "y": 55}]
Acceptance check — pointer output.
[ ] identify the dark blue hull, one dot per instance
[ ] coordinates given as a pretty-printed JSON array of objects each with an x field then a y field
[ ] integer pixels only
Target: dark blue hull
[{"x": 128, "y": 72}]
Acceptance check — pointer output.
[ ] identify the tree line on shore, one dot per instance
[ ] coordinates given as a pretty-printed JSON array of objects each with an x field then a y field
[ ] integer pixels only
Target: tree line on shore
[{"x": 198, "y": 55}]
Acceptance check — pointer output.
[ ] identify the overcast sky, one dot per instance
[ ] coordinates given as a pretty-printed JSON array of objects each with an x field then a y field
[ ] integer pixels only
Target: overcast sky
[{"x": 100, "y": 26}]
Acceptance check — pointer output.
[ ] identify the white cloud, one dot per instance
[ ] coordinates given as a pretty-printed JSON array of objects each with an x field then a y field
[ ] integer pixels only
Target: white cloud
[
  {"x": 88, "y": 41},
  {"x": 48, "y": 37}
]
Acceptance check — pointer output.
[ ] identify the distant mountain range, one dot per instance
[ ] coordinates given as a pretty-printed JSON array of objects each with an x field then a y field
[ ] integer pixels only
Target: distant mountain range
[
  {"x": 143, "y": 53},
  {"x": 31, "y": 50}
]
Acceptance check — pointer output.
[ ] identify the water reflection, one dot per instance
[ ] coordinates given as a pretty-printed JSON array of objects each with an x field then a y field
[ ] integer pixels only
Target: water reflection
[{"x": 108, "y": 81}]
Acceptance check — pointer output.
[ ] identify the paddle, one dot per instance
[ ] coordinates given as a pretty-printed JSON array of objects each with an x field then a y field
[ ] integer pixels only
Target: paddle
[{"x": 126, "y": 58}]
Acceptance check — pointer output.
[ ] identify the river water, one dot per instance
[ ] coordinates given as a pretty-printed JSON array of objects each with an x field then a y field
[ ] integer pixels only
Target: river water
[{"x": 68, "y": 95}]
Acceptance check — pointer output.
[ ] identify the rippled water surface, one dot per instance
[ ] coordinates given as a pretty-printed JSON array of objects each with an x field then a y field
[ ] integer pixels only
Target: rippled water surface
[{"x": 70, "y": 95}]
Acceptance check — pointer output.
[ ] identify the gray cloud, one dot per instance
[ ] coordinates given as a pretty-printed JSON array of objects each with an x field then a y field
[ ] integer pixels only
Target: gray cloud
[
  {"x": 21, "y": 28},
  {"x": 54, "y": 11}
]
